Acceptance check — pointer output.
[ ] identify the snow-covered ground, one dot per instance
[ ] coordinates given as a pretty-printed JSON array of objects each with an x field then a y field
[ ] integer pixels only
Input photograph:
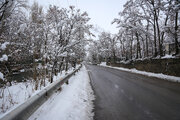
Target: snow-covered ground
[
  {"x": 103, "y": 64},
  {"x": 150, "y": 74},
  {"x": 13, "y": 96},
  {"x": 73, "y": 102},
  {"x": 167, "y": 56}
]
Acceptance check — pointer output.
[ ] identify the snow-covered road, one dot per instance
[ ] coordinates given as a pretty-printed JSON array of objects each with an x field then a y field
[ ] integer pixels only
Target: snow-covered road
[{"x": 73, "y": 102}]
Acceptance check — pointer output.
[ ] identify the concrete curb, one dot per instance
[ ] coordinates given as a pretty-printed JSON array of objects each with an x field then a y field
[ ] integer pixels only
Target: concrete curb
[
  {"x": 25, "y": 110},
  {"x": 147, "y": 74}
]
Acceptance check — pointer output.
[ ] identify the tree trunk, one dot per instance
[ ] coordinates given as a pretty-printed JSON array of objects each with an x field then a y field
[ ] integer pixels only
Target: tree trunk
[
  {"x": 165, "y": 24},
  {"x": 122, "y": 48},
  {"x": 114, "y": 56},
  {"x": 158, "y": 33},
  {"x": 66, "y": 68},
  {"x": 176, "y": 32},
  {"x": 143, "y": 55},
  {"x": 147, "y": 51},
  {"x": 131, "y": 46},
  {"x": 154, "y": 27},
  {"x": 138, "y": 47},
  {"x": 155, "y": 47},
  {"x": 61, "y": 64},
  {"x": 53, "y": 71},
  {"x": 35, "y": 73}
]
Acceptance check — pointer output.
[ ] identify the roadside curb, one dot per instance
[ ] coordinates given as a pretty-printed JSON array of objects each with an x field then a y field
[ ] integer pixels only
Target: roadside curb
[
  {"x": 91, "y": 87},
  {"x": 148, "y": 74}
]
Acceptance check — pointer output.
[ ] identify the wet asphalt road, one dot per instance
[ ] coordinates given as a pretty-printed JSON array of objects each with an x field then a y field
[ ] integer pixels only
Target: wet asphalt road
[{"x": 127, "y": 96}]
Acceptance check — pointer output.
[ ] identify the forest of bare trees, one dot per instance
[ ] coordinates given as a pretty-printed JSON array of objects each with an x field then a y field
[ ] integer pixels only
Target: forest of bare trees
[{"x": 145, "y": 28}]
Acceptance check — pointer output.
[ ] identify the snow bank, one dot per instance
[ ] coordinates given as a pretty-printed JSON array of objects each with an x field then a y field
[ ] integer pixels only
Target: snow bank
[
  {"x": 13, "y": 96},
  {"x": 150, "y": 74},
  {"x": 74, "y": 102}
]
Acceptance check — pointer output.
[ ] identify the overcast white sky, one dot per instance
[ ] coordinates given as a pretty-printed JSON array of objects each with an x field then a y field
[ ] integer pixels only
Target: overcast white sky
[{"x": 101, "y": 12}]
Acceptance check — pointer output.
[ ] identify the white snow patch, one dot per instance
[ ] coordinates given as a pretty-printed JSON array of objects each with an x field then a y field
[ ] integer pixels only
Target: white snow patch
[
  {"x": 74, "y": 102},
  {"x": 103, "y": 63},
  {"x": 167, "y": 56},
  {"x": 14, "y": 95},
  {"x": 22, "y": 70},
  {"x": 4, "y": 58},
  {"x": 3, "y": 46},
  {"x": 22, "y": 27},
  {"x": 150, "y": 74},
  {"x": 1, "y": 76}
]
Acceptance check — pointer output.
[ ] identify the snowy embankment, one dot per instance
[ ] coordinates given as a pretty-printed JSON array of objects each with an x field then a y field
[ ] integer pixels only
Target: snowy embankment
[
  {"x": 13, "y": 96},
  {"x": 73, "y": 102},
  {"x": 150, "y": 74}
]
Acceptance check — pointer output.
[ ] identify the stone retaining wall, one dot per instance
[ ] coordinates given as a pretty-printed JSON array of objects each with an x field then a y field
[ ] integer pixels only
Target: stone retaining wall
[{"x": 165, "y": 66}]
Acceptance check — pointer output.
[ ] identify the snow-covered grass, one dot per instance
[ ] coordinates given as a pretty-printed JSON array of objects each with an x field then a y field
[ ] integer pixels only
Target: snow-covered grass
[
  {"x": 150, "y": 74},
  {"x": 73, "y": 102},
  {"x": 13, "y": 96}
]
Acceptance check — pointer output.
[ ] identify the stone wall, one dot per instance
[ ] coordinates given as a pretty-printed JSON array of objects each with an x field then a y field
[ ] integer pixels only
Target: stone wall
[{"x": 165, "y": 66}]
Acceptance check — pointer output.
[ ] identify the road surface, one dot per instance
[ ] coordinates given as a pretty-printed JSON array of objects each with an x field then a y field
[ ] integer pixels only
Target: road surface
[{"x": 123, "y": 95}]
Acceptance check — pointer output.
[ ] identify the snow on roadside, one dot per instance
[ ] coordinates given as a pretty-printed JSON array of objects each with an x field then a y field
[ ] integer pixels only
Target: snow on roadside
[
  {"x": 13, "y": 96},
  {"x": 150, "y": 74},
  {"x": 73, "y": 102},
  {"x": 103, "y": 64}
]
